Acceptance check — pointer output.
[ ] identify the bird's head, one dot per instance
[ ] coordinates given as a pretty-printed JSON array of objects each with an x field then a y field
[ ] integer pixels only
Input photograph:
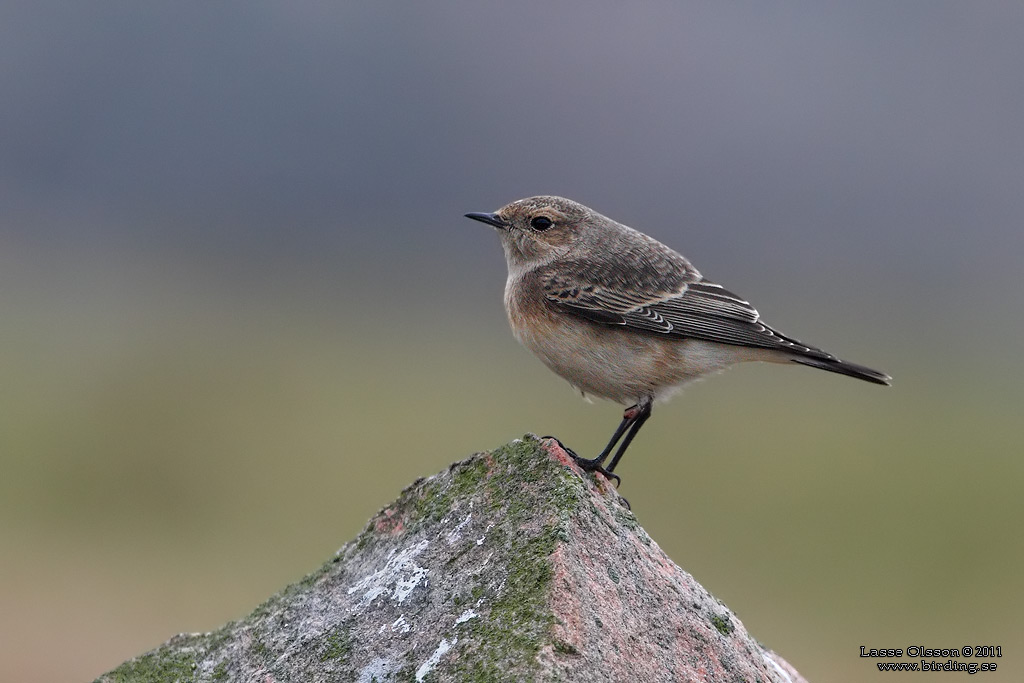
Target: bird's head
[{"x": 538, "y": 229}]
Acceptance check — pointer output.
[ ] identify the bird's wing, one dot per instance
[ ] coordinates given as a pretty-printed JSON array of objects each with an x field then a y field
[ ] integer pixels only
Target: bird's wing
[{"x": 685, "y": 305}]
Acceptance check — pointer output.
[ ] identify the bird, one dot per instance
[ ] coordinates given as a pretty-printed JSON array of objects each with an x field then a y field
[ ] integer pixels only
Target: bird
[{"x": 623, "y": 317}]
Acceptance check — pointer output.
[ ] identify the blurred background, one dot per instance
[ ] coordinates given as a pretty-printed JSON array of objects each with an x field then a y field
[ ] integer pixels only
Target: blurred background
[{"x": 240, "y": 308}]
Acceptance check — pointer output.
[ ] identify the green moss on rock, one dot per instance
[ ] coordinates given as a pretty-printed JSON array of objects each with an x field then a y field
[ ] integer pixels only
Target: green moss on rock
[
  {"x": 723, "y": 623},
  {"x": 163, "y": 665},
  {"x": 337, "y": 646}
]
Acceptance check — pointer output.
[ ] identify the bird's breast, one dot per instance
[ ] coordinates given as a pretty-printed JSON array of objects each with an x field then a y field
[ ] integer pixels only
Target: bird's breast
[{"x": 607, "y": 361}]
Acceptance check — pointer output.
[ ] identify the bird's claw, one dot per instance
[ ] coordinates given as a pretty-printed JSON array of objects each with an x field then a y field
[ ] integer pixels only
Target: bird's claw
[
  {"x": 572, "y": 454},
  {"x": 591, "y": 465}
]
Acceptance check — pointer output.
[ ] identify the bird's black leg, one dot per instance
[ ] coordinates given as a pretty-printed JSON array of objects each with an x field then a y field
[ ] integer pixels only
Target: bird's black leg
[
  {"x": 594, "y": 464},
  {"x": 632, "y": 419},
  {"x": 643, "y": 412}
]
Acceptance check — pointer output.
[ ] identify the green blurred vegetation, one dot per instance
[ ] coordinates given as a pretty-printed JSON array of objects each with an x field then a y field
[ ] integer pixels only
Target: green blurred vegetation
[{"x": 174, "y": 452}]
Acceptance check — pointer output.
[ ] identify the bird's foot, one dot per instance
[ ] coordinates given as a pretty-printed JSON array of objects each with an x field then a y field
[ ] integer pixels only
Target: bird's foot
[{"x": 587, "y": 464}]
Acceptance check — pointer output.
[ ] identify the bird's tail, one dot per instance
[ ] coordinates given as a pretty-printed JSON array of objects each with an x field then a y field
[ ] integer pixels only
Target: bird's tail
[{"x": 844, "y": 368}]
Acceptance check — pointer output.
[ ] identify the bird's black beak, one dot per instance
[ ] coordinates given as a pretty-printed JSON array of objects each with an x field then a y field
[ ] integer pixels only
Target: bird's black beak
[{"x": 489, "y": 218}]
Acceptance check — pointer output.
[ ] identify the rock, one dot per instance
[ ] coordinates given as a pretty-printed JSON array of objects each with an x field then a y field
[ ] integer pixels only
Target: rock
[{"x": 512, "y": 565}]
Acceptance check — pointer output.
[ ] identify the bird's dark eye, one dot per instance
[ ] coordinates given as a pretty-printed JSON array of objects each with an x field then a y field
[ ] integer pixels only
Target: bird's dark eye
[{"x": 540, "y": 223}]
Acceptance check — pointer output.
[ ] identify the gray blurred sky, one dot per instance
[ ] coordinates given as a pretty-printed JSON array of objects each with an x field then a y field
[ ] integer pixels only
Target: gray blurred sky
[{"x": 754, "y": 137}]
